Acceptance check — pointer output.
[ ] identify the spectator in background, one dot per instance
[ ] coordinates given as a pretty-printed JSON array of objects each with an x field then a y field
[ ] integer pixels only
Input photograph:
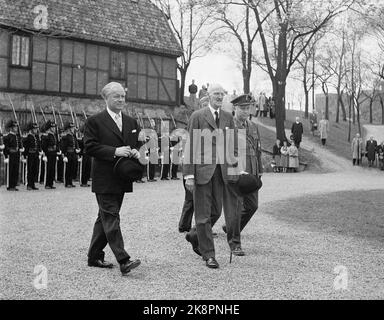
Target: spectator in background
[
  {"x": 276, "y": 154},
  {"x": 324, "y": 129},
  {"x": 357, "y": 149},
  {"x": 293, "y": 153},
  {"x": 284, "y": 156},
  {"x": 313, "y": 121},
  {"x": 203, "y": 92},
  {"x": 371, "y": 148},
  {"x": 262, "y": 103},
  {"x": 297, "y": 132},
  {"x": 380, "y": 152},
  {"x": 192, "y": 94}
]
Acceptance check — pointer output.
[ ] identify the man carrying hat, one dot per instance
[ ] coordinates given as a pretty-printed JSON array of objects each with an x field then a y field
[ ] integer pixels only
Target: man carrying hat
[
  {"x": 50, "y": 147},
  {"x": 208, "y": 173},
  {"x": 109, "y": 136},
  {"x": 12, "y": 149},
  {"x": 70, "y": 149},
  {"x": 32, "y": 151},
  {"x": 248, "y": 165}
]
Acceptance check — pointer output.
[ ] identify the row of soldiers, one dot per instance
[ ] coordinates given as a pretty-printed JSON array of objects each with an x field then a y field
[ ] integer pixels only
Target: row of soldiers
[{"x": 46, "y": 154}]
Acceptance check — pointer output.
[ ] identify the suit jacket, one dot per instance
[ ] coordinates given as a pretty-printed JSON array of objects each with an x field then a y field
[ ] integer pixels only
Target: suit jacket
[
  {"x": 252, "y": 151},
  {"x": 101, "y": 138},
  {"x": 202, "y": 165}
]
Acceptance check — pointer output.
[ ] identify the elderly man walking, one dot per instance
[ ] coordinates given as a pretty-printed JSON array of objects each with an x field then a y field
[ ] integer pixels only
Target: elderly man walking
[
  {"x": 109, "y": 136},
  {"x": 208, "y": 179}
]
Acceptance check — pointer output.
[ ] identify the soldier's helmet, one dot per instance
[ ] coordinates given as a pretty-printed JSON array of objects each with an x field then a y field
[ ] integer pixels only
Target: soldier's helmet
[
  {"x": 68, "y": 125},
  {"x": 244, "y": 99},
  {"x": 10, "y": 124}
]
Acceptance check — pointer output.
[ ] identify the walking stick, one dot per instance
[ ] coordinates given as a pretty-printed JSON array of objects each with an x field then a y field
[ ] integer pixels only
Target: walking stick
[
  {"x": 81, "y": 170},
  {"x": 64, "y": 171}
]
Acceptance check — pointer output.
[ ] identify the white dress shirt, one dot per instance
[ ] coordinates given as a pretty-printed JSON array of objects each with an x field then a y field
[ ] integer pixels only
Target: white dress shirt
[{"x": 117, "y": 118}]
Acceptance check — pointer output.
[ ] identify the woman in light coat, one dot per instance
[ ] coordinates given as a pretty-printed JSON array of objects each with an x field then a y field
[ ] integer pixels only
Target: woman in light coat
[
  {"x": 293, "y": 154},
  {"x": 323, "y": 128},
  {"x": 357, "y": 148}
]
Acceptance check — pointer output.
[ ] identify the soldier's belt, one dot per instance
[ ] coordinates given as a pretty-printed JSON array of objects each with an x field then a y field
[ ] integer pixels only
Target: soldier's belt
[
  {"x": 70, "y": 150},
  {"x": 32, "y": 151},
  {"x": 12, "y": 150},
  {"x": 50, "y": 149}
]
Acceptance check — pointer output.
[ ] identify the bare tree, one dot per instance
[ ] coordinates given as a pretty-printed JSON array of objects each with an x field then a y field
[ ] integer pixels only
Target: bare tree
[
  {"x": 188, "y": 19},
  {"x": 239, "y": 22},
  {"x": 296, "y": 22}
]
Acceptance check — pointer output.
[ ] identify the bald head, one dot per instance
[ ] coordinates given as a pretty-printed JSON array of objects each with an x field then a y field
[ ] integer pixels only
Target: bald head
[{"x": 216, "y": 95}]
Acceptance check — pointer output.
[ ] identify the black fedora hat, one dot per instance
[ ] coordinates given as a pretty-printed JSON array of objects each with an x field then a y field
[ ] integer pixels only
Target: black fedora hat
[
  {"x": 249, "y": 183},
  {"x": 128, "y": 169}
]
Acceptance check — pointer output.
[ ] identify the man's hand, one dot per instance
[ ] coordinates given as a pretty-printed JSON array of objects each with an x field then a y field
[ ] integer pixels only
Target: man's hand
[
  {"x": 6, "y": 160},
  {"x": 65, "y": 159},
  {"x": 135, "y": 154},
  {"x": 123, "y": 152},
  {"x": 190, "y": 184}
]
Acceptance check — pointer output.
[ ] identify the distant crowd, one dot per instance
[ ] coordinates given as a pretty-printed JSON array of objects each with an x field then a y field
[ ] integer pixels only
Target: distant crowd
[{"x": 373, "y": 151}]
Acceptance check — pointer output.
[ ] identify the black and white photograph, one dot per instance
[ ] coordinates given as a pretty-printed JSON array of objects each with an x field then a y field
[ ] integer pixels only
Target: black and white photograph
[{"x": 191, "y": 155}]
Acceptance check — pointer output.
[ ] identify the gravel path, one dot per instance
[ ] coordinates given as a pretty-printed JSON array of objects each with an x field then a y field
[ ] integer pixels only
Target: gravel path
[{"x": 287, "y": 258}]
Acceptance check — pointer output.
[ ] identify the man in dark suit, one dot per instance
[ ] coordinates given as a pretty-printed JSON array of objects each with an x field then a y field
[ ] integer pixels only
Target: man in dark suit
[
  {"x": 208, "y": 175},
  {"x": 371, "y": 148},
  {"x": 297, "y": 132},
  {"x": 108, "y": 136}
]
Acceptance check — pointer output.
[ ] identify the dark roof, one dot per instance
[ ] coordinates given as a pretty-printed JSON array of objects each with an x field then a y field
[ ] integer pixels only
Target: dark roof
[{"x": 135, "y": 24}]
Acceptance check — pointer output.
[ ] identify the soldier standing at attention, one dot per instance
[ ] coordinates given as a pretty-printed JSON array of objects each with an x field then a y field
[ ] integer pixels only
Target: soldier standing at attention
[
  {"x": 12, "y": 149},
  {"x": 69, "y": 148},
  {"x": 32, "y": 150},
  {"x": 51, "y": 150}
]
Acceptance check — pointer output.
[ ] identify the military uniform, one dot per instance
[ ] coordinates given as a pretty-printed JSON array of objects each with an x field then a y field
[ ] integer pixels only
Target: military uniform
[
  {"x": 165, "y": 157},
  {"x": 175, "y": 157},
  {"x": 86, "y": 164},
  {"x": 50, "y": 147},
  {"x": 32, "y": 150},
  {"x": 12, "y": 148},
  {"x": 69, "y": 148},
  {"x": 247, "y": 204}
]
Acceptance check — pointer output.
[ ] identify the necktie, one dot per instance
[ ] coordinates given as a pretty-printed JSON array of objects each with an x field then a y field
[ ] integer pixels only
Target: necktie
[
  {"x": 217, "y": 119},
  {"x": 118, "y": 122}
]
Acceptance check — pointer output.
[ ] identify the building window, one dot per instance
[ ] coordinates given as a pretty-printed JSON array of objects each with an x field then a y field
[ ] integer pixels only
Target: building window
[
  {"x": 118, "y": 65},
  {"x": 21, "y": 51}
]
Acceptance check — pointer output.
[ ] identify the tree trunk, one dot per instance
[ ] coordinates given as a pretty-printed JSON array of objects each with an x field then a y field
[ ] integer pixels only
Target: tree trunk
[
  {"x": 370, "y": 111},
  {"x": 306, "y": 93},
  {"x": 382, "y": 109},
  {"x": 246, "y": 81},
  {"x": 349, "y": 119},
  {"x": 358, "y": 117},
  {"x": 183, "y": 75},
  {"x": 280, "y": 115}
]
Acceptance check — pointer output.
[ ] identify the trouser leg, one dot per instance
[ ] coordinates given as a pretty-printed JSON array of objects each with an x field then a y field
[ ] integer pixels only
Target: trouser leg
[
  {"x": 107, "y": 228},
  {"x": 185, "y": 222},
  {"x": 232, "y": 208},
  {"x": 204, "y": 195}
]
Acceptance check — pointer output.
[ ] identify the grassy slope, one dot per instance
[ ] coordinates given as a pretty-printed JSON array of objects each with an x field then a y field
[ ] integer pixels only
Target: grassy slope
[{"x": 337, "y": 138}]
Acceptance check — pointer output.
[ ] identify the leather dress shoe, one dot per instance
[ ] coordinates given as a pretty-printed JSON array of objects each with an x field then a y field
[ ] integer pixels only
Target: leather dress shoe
[
  {"x": 126, "y": 267},
  {"x": 238, "y": 252},
  {"x": 84, "y": 185},
  {"x": 194, "y": 243},
  {"x": 212, "y": 263},
  {"x": 12, "y": 189},
  {"x": 181, "y": 230},
  {"x": 100, "y": 264}
]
